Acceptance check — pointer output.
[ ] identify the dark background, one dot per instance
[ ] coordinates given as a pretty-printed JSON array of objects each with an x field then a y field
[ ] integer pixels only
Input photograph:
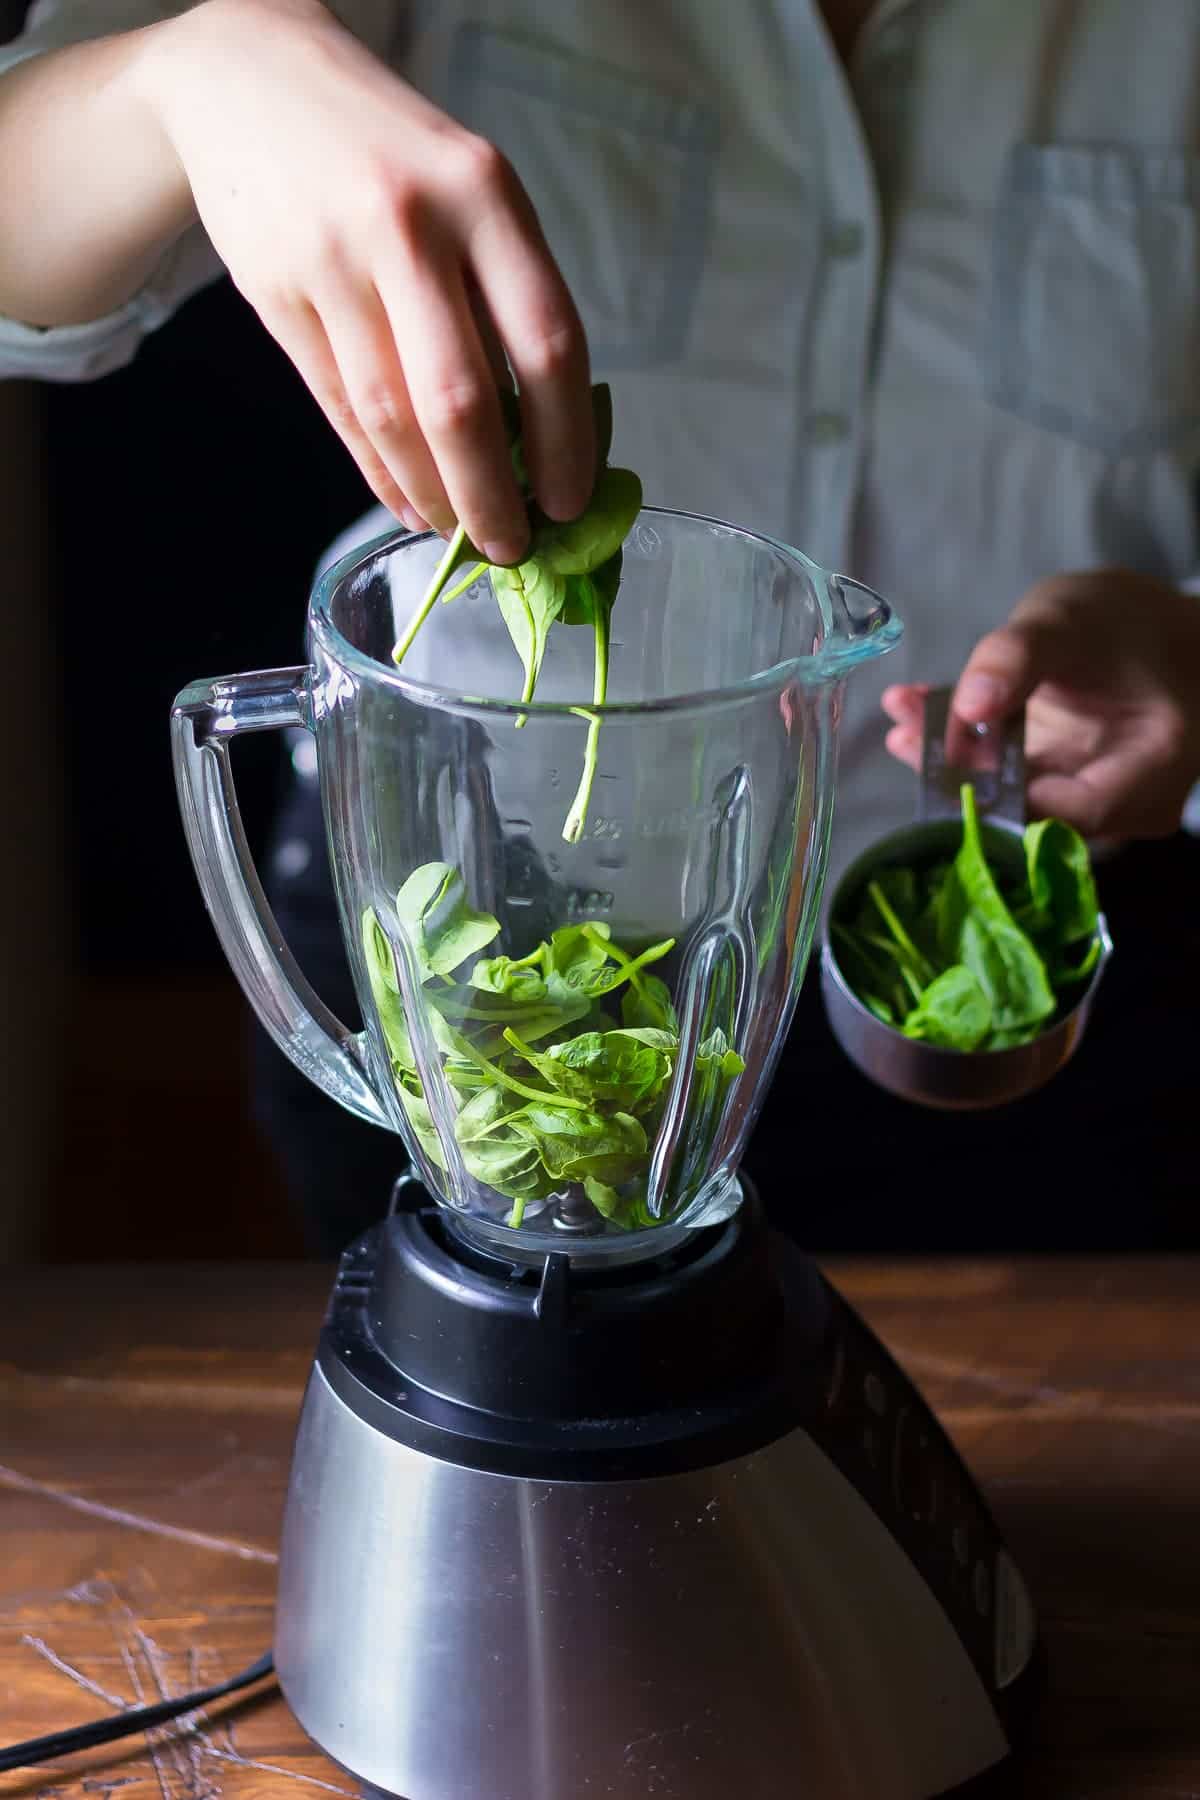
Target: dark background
[
  {"x": 186, "y": 500},
  {"x": 189, "y": 497}
]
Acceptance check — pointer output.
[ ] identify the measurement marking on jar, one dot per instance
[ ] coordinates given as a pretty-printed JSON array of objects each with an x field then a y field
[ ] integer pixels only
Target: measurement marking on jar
[
  {"x": 584, "y": 901},
  {"x": 677, "y": 823}
]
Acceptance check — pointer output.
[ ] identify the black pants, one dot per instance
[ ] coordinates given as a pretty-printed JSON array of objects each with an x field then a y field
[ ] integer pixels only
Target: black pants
[{"x": 1106, "y": 1157}]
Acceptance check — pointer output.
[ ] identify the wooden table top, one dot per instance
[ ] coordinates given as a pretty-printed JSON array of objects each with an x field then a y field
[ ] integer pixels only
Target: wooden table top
[{"x": 146, "y": 1418}]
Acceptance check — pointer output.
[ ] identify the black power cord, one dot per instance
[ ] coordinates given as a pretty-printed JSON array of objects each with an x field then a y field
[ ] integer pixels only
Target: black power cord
[{"x": 127, "y": 1724}]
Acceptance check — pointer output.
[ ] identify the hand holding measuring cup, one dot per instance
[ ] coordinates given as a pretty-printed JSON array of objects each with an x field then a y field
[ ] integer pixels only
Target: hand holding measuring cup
[{"x": 1107, "y": 665}]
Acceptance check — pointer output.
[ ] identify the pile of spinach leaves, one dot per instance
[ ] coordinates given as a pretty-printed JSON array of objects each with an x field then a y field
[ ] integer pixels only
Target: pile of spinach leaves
[
  {"x": 967, "y": 954},
  {"x": 552, "y": 1090},
  {"x": 570, "y": 576}
]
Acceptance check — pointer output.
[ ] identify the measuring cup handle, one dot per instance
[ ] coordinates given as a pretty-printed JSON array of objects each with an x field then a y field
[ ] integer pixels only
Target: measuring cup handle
[
  {"x": 204, "y": 718},
  {"x": 999, "y": 789}
]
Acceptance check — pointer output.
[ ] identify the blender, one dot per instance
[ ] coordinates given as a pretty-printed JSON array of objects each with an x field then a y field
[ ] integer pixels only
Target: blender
[{"x": 599, "y": 1486}]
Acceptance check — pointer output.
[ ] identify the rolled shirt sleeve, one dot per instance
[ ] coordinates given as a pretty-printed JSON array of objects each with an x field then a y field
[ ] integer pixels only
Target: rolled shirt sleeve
[{"x": 85, "y": 352}]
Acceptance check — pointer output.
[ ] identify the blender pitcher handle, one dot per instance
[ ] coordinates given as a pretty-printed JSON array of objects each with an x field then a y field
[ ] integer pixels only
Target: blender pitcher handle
[{"x": 203, "y": 719}]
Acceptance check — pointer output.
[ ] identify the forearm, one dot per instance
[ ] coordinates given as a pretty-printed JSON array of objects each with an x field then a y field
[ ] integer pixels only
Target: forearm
[
  {"x": 391, "y": 253},
  {"x": 91, "y": 192}
]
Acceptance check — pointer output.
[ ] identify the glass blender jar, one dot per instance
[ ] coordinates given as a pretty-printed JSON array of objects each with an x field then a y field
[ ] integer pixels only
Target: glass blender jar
[{"x": 577, "y": 933}]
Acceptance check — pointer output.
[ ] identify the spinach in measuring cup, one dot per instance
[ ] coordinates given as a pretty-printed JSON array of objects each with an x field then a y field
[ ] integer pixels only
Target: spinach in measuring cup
[
  {"x": 966, "y": 955},
  {"x": 570, "y": 576}
]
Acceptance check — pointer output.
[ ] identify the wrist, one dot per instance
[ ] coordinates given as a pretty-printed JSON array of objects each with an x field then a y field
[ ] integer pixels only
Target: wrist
[
  {"x": 177, "y": 57},
  {"x": 173, "y": 45},
  {"x": 148, "y": 77}
]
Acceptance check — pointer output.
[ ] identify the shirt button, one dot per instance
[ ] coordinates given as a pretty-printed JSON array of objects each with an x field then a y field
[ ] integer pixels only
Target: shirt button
[
  {"x": 828, "y": 427},
  {"x": 846, "y": 238}
]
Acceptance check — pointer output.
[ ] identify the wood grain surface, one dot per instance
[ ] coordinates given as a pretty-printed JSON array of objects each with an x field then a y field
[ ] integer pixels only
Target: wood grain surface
[{"x": 146, "y": 1418}]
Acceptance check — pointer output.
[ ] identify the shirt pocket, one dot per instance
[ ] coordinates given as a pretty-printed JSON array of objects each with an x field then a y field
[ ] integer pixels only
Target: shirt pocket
[
  {"x": 1094, "y": 324},
  {"x": 621, "y": 172}
]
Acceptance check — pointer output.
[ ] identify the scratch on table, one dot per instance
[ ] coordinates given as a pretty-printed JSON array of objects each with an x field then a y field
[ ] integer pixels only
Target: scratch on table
[
  {"x": 76, "y": 1675},
  {"x": 944, "y": 1368},
  {"x": 142, "y": 1391},
  {"x": 44, "y": 1601},
  {"x": 115, "y": 1515},
  {"x": 1044, "y": 1401},
  {"x": 247, "y": 1762},
  {"x": 164, "y": 1738},
  {"x": 241, "y": 1464},
  {"x": 136, "y": 1683},
  {"x": 213, "y": 1673},
  {"x": 88, "y": 1593},
  {"x": 180, "y": 1741}
]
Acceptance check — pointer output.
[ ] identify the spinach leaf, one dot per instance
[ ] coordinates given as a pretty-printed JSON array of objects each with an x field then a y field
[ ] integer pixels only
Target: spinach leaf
[
  {"x": 484, "y": 1113},
  {"x": 629, "y": 968},
  {"x": 571, "y": 571},
  {"x": 716, "y": 1058},
  {"x": 440, "y": 926},
  {"x": 561, "y": 1077},
  {"x": 717, "y": 1067},
  {"x": 953, "y": 1012},
  {"x": 577, "y": 959},
  {"x": 1061, "y": 885},
  {"x": 941, "y": 921},
  {"x": 522, "y": 980},
  {"x": 873, "y": 973},
  {"x": 486, "y": 1027},
  {"x": 467, "y": 581},
  {"x": 606, "y": 1200},
  {"x": 576, "y": 1146},
  {"x": 424, "y": 1129},
  {"x": 530, "y": 598},
  {"x": 901, "y": 887},
  {"x": 625, "y": 1069},
  {"x": 458, "y": 551},
  {"x": 590, "y": 598},
  {"x": 627, "y": 1209},
  {"x": 647, "y": 1002},
  {"x": 911, "y": 960},
  {"x": 1064, "y": 973},
  {"x": 495, "y": 1154},
  {"x": 580, "y": 546},
  {"x": 991, "y": 944},
  {"x": 385, "y": 990},
  {"x": 513, "y": 1167}
]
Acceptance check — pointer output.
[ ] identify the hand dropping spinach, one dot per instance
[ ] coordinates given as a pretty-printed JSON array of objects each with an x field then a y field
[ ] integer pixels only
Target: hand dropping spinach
[
  {"x": 570, "y": 574},
  {"x": 551, "y": 1089},
  {"x": 957, "y": 956}
]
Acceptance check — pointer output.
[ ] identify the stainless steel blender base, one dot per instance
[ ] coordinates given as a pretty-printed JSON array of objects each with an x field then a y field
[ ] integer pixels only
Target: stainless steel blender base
[
  {"x": 748, "y": 1629},
  {"x": 679, "y": 1529}
]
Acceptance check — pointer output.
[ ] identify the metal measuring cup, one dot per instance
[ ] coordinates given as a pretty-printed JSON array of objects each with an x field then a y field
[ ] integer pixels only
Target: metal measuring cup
[{"x": 952, "y": 1080}]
